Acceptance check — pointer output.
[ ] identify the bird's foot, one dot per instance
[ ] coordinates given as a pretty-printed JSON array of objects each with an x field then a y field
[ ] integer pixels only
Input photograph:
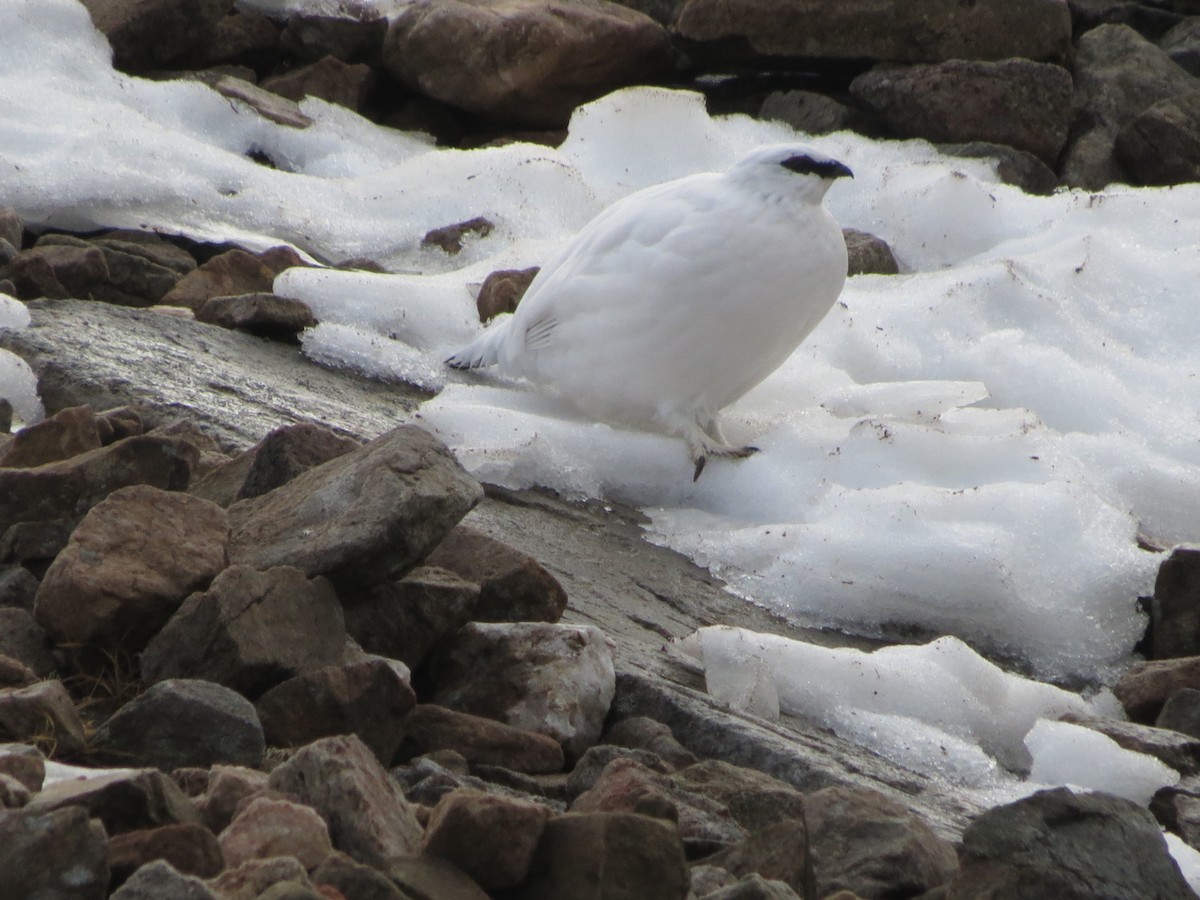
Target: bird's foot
[{"x": 723, "y": 452}]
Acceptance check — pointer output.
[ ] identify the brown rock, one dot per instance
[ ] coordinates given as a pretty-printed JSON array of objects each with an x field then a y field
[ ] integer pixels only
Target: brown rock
[
  {"x": 916, "y": 31},
  {"x": 1181, "y": 713},
  {"x": 341, "y": 779},
  {"x": 148, "y": 33},
  {"x": 502, "y": 290},
  {"x": 450, "y": 237},
  {"x": 361, "y": 518},
  {"x": 368, "y": 699},
  {"x": 160, "y": 879},
  {"x": 232, "y": 273},
  {"x": 1175, "y": 608},
  {"x": 129, "y": 565},
  {"x": 902, "y": 853},
  {"x": 266, "y": 828},
  {"x": 754, "y": 798},
  {"x": 12, "y": 226},
  {"x": 311, "y": 37},
  {"x": 52, "y": 853},
  {"x": 557, "y": 680},
  {"x": 67, "y": 433},
  {"x": 354, "y": 880},
  {"x": 643, "y": 733},
  {"x": 43, "y": 714},
  {"x": 513, "y": 586},
  {"x": 129, "y": 279},
  {"x": 240, "y": 38},
  {"x": 35, "y": 544},
  {"x": 779, "y": 852},
  {"x": 704, "y": 824},
  {"x": 13, "y": 794},
  {"x": 190, "y": 849},
  {"x": 68, "y": 489},
  {"x": 1145, "y": 687},
  {"x": 14, "y": 673},
  {"x": 147, "y": 244},
  {"x": 868, "y": 254},
  {"x": 615, "y": 856},
  {"x": 228, "y": 787},
  {"x": 123, "y": 801},
  {"x": 480, "y": 741},
  {"x": 274, "y": 461},
  {"x": 531, "y": 61},
  {"x": 404, "y": 618},
  {"x": 253, "y": 878},
  {"x": 329, "y": 79},
  {"x": 491, "y": 838},
  {"x": 24, "y": 763},
  {"x": 265, "y": 315},
  {"x": 57, "y": 271},
  {"x": 250, "y": 631}
]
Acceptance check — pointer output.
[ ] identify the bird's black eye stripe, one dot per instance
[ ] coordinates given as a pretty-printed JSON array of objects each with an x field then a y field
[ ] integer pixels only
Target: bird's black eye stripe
[{"x": 824, "y": 168}]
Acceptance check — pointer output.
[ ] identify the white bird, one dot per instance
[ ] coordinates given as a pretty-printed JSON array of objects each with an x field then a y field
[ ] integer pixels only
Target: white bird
[{"x": 677, "y": 300}]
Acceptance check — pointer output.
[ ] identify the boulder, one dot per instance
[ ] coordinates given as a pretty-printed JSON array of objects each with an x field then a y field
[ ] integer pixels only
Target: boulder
[
  {"x": 183, "y": 722},
  {"x": 863, "y": 842},
  {"x": 146, "y": 34},
  {"x": 69, "y": 432},
  {"x": 250, "y": 631},
  {"x": 1181, "y": 44},
  {"x": 557, "y": 680},
  {"x": 129, "y": 565},
  {"x": 341, "y": 779},
  {"x": 1016, "y": 102},
  {"x": 53, "y": 853},
  {"x": 128, "y": 278},
  {"x": 753, "y": 798},
  {"x": 615, "y": 856},
  {"x": 528, "y": 61},
  {"x": 1162, "y": 144},
  {"x": 24, "y": 763},
  {"x": 481, "y": 741},
  {"x": 914, "y": 31},
  {"x": 1146, "y": 686},
  {"x": 255, "y": 877},
  {"x": 354, "y": 880},
  {"x": 18, "y": 588},
  {"x": 779, "y": 852},
  {"x": 190, "y": 849},
  {"x": 513, "y": 586},
  {"x": 404, "y": 618},
  {"x": 362, "y": 518},
  {"x": 159, "y": 879},
  {"x": 22, "y": 639},
  {"x": 267, "y": 828},
  {"x": 807, "y": 111},
  {"x": 228, "y": 789},
  {"x": 240, "y": 38},
  {"x": 644, "y": 733},
  {"x": 868, "y": 254},
  {"x": 329, "y": 78},
  {"x": 491, "y": 838},
  {"x": 1181, "y": 713},
  {"x": 263, "y": 315},
  {"x": 368, "y": 698},
  {"x": 1066, "y": 846},
  {"x": 310, "y": 37},
  {"x": 230, "y": 274},
  {"x": 57, "y": 271}
]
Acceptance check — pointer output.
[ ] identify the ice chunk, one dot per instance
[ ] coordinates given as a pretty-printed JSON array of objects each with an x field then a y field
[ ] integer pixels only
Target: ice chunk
[{"x": 18, "y": 385}]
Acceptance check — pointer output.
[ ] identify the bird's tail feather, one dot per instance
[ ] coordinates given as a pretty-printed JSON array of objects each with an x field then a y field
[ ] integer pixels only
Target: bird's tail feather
[{"x": 483, "y": 351}]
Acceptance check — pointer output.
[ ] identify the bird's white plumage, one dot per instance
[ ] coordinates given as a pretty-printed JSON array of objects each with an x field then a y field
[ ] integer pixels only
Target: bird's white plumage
[{"x": 677, "y": 300}]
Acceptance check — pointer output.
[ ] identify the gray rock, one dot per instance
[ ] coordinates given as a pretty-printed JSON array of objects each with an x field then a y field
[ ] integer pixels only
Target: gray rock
[
  {"x": 1175, "y": 608},
  {"x": 1066, "y": 846},
  {"x": 1118, "y": 74},
  {"x": 1182, "y": 44},
  {"x": 557, "y": 680},
  {"x": 362, "y": 518},
  {"x": 428, "y": 876},
  {"x": 513, "y": 586},
  {"x": 1144, "y": 18},
  {"x": 43, "y": 714},
  {"x": 621, "y": 856},
  {"x": 642, "y": 733},
  {"x": 149, "y": 245},
  {"x": 160, "y": 879},
  {"x": 122, "y": 800},
  {"x": 524, "y": 60},
  {"x": 68, "y": 489},
  {"x": 24, "y": 763},
  {"x": 755, "y": 799},
  {"x": 183, "y": 722},
  {"x": 863, "y": 842},
  {"x": 13, "y": 794},
  {"x": 146, "y": 34},
  {"x": 341, "y": 779},
  {"x": 1162, "y": 145},
  {"x": 1013, "y": 166},
  {"x": 1181, "y": 712},
  {"x": 18, "y": 588},
  {"x": 311, "y": 37},
  {"x": 479, "y": 740},
  {"x": 591, "y": 765},
  {"x": 1015, "y": 102},
  {"x": 916, "y": 31},
  {"x": 57, "y": 854},
  {"x": 250, "y": 631},
  {"x": 807, "y": 111},
  {"x": 368, "y": 699},
  {"x": 23, "y": 639},
  {"x": 404, "y": 618},
  {"x": 263, "y": 315},
  {"x": 129, "y": 565}
]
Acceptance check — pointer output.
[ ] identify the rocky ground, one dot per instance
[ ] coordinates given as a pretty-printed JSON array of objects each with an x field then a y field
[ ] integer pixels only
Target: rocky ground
[{"x": 324, "y": 662}]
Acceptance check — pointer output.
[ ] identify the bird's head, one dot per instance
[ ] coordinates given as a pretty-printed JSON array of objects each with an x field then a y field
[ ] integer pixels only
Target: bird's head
[{"x": 790, "y": 170}]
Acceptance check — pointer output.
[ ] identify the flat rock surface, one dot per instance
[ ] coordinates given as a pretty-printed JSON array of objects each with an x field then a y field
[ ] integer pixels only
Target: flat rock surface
[{"x": 639, "y": 594}]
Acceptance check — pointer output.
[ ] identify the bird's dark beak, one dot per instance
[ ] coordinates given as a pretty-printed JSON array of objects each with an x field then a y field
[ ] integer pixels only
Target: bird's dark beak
[{"x": 838, "y": 170}]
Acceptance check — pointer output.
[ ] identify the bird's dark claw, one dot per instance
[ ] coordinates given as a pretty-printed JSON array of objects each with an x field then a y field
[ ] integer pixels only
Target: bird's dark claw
[{"x": 700, "y": 461}]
